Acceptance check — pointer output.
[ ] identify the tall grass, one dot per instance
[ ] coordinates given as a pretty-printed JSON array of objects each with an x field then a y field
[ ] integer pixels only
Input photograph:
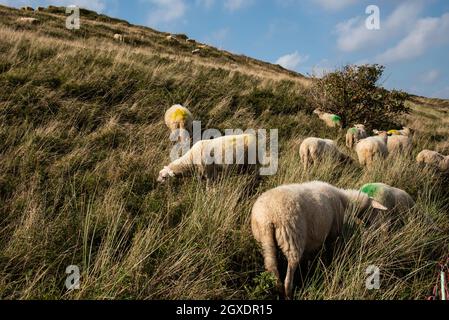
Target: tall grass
[{"x": 82, "y": 140}]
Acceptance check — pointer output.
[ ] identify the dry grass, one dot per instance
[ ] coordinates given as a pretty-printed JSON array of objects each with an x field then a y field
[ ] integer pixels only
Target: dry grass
[{"x": 82, "y": 140}]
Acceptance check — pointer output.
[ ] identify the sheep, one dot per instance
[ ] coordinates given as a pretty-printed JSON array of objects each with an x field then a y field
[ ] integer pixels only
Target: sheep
[
  {"x": 396, "y": 200},
  {"x": 300, "y": 219},
  {"x": 171, "y": 38},
  {"x": 370, "y": 148},
  {"x": 398, "y": 143},
  {"x": 405, "y": 131},
  {"x": 331, "y": 120},
  {"x": 179, "y": 118},
  {"x": 27, "y": 20},
  {"x": 313, "y": 149},
  {"x": 196, "y": 51},
  {"x": 207, "y": 157},
  {"x": 119, "y": 37},
  {"x": 434, "y": 159},
  {"x": 355, "y": 134}
]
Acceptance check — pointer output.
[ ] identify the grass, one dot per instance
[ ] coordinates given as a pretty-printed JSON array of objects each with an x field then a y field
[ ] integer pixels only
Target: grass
[{"x": 82, "y": 140}]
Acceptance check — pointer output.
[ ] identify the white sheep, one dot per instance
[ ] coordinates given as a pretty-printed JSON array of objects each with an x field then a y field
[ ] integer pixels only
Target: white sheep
[
  {"x": 196, "y": 51},
  {"x": 396, "y": 200},
  {"x": 434, "y": 159},
  {"x": 315, "y": 149},
  {"x": 171, "y": 38},
  {"x": 355, "y": 134},
  {"x": 27, "y": 20},
  {"x": 372, "y": 148},
  {"x": 405, "y": 131},
  {"x": 398, "y": 143},
  {"x": 300, "y": 219},
  {"x": 179, "y": 118},
  {"x": 119, "y": 37},
  {"x": 331, "y": 120},
  {"x": 207, "y": 157}
]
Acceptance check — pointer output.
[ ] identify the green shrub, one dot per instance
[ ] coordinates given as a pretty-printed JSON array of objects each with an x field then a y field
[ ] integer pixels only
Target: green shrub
[{"x": 354, "y": 94}]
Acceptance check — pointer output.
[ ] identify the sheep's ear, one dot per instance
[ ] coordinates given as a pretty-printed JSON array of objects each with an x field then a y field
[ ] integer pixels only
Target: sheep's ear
[{"x": 377, "y": 205}]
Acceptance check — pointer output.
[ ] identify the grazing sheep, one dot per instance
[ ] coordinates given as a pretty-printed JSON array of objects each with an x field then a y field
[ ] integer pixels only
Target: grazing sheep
[
  {"x": 314, "y": 149},
  {"x": 434, "y": 159},
  {"x": 179, "y": 118},
  {"x": 355, "y": 134},
  {"x": 300, "y": 219},
  {"x": 331, "y": 120},
  {"x": 196, "y": 51},
  {"x": 398, "y": 143},
  {"x": 119, "y": 37},
  {"x": 207, "y": 157},
  {"x": 370, "y": 148},
  {"x": 27, "y": 20},
  {"x": 171, "y": 38},
  {"x": 396, "y": 200},
  {"x": 404, "y": 132}
]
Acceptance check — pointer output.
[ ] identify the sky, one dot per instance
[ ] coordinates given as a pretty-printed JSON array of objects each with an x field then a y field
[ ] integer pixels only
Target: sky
[{"x": 307, "y": 36}]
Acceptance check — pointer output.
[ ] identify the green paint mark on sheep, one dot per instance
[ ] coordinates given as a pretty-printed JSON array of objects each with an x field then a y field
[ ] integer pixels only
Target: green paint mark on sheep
[
  {"x": 179, "y": 115},
  {"x": 353, "y": 130},
  {"x": 371, "y": 189},
  {"x": 336, "y": 118}
]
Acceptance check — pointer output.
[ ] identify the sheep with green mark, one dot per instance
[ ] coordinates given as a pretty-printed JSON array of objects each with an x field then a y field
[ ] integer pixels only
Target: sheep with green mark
[
  {"x": 355, "y": 134},
  {"x": 396, "y": 200},
  {"x": 299, "y": 219},
  {"x": 180, "y": 121},
  {"x": 434, "y": 160},
  {"x": 313, "y": 150},
  {"x": 331, "y": 120}
]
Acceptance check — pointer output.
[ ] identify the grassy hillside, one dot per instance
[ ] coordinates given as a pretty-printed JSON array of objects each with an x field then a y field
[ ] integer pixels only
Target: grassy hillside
[{"x": 82, "y": 140}]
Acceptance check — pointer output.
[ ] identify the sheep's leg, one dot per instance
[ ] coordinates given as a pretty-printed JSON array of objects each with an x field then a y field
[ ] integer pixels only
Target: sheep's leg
[{"x": 291, "y": 269}]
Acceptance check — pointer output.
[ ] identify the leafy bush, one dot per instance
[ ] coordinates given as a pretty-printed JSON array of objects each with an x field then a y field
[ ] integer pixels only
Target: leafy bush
[{"x": 354, "y": 94}]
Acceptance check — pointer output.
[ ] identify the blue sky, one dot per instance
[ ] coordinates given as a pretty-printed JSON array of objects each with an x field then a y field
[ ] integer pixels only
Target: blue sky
[{"x": 309, "y": 36}]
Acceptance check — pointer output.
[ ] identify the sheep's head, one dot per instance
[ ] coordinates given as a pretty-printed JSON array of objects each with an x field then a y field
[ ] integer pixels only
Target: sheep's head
[
  {"x": 165, "y": 174},
  {"x": 362, "y": 203},
  {"x": 360, "y": 126}
]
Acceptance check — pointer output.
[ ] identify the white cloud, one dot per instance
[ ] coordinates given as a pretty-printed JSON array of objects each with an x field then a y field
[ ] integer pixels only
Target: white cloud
[
  {"x": 96, "y": 5},
  {"x": 334, "y": 4},
  {"x": 427, "y": 33},
  {"x": 234, "y": 5},
  {"x": 166, "y": 11},
  {"x": 430, "y": 76},
  {"x": 205, "y": 3},
  {"x": 292, "y": 60},
  {"x": 352, "y": 35}
]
